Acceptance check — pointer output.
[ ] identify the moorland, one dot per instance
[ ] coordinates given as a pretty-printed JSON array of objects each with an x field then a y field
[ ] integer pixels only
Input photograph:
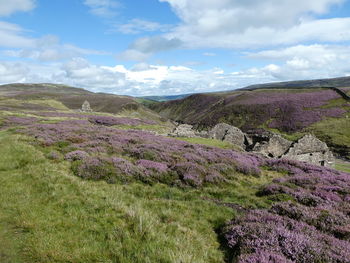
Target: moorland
[{"x": 111, "y": 186}]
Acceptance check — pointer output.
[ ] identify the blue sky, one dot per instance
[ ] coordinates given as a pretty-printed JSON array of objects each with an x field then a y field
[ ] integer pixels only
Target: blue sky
[{"x": 162, "y": 47}]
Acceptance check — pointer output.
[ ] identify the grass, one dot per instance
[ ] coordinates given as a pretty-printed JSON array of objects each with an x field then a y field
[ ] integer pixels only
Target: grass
[
  {"x": 49, "y": 215},
  {"x": 163, "y": 129},
  {"x": 51, "y": 103},
  {"x": 334, "y": 131},
  {"x": 210, "y": 142},
  {"x": 343, "y": 166}
]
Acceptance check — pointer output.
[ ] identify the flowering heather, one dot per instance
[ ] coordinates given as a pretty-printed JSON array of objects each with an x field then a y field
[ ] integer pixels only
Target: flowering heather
[
  {"x": 75, "y": 155},
  {"x": 151, "y": 165},
  {"x": 110, "y": 121},
  {"x": 59, "y": 114},
  {"x": 262, "y": 233},
  {"x": 314, "y": 227},
  {"x": 141, "y": 154},
  {"x": 286, "y": 110},
  {"x": 293, "y": 111},
  {"x": 96, "y": 119},
  {"x": 13, "y": 120}
]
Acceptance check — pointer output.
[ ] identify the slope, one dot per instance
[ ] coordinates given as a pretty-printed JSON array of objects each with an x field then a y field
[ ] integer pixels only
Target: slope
[{"x": 286, "y": 110}]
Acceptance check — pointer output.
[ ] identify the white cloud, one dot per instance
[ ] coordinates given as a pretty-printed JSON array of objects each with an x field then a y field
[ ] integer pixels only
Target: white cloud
[
  {"x": 143, "y": 48},
  {"x": 242, "y": 23},
  {"x": 155, "y": 44},
  {"x": 103, "y": 8},
  {"x": 8, "y": 7},
  {"x": 11, "y": 35},
  {"x": 308, "y": 61},
  {"x": 136, "y": 26},
  {"x": 209, "y": 54},
  {"x": 133, "y": 55},
  {"x": 12, "y": 72},
  {"x": 49, "y": 48},
  {"x": 296, "y": 62}
]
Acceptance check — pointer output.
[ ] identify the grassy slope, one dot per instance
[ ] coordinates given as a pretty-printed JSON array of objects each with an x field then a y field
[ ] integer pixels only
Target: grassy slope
[
  {"x": 49, "y": 215},
  {"x": 70, "y": 97}
]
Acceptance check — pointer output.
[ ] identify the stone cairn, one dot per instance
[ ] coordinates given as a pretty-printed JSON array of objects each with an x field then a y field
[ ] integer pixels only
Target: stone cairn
[{"x": 86, "y": 107}]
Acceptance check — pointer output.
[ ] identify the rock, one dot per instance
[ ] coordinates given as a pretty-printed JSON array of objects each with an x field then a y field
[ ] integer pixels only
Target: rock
[
  {"x": 202, "y": 134},
  {"x": 228, "y": 133},
  {"x": 219, "y": 131},
  {"x": 276, "y": 146},
  {"x": 184, "y": 130},
  {"x": 312, "y": 150},
  {"x": 86, "y": 107}
]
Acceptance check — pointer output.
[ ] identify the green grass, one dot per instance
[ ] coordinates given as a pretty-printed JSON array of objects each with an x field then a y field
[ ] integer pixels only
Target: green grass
[
  {"x": 163, "y": 129},
  {"x": 51, "y": 103},
  {"x": 210, "y": 142},
  {"x": 334, "y": 131},
  {"x": 343, "y": 166},
  {"x": 49, "y": 215}
]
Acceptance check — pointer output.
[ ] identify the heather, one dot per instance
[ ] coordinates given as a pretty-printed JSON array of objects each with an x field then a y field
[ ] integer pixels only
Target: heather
[
  {"x": 312, "y": 227},
  {"x": 149, "y": 158},
  {"x": 286, "y": 110}
]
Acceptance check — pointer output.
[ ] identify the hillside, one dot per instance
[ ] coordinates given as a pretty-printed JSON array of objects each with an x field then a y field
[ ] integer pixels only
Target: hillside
[
  {"x": 316, "y": 83},
  {"x": 166, "y": 98},
  {"x": 289, "y": 111},
  {"x": 71, "y": 97}
]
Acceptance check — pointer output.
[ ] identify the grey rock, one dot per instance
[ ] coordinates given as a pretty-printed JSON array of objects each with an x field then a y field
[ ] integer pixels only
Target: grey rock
[
  {"x": 228, "y": 133},
  {"x": 184, "y": 130},
  {"x": 275, "y": 147},
  {"x": 310, "y": 149},
  {"x": 219, "y": 131}
]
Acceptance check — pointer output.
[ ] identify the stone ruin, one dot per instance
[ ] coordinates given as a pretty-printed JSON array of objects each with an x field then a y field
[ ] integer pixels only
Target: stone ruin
[
  {"x": 311, "y": 150},
  {"x": 270, "y": 145},
  {"x": 307, "y": 149},
  {"x": 86, "y": 107}
]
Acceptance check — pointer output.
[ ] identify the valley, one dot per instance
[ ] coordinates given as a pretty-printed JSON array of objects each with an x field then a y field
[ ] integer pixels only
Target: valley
[{"x": 111, "y": 185}]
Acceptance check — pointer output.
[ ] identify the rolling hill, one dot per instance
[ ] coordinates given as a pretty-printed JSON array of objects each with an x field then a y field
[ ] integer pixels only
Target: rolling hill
[
  {"x": 71, "y": 97},
  {"x": 315, "y": 83},
  {"x": 289, "y": 110}
]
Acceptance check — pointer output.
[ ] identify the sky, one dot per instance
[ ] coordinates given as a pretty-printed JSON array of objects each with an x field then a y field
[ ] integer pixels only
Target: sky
[{"x": 169, "y": 47}]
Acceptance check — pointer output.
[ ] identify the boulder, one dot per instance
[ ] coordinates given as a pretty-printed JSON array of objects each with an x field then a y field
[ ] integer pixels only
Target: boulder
[
  {"x": 312, "y": 150},
  {"x": 274, "y": 147},
  {"x": 184, "y": 130},
  {"x": 219, "y": 131},
  {"x": 228, "y": 133}
]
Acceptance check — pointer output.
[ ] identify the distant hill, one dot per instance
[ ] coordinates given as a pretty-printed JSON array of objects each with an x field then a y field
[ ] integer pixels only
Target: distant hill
[
  {"x": 71, "y": 97},
  {"x": 316, "y": 83},
  {"x": 166, "y": 98}
]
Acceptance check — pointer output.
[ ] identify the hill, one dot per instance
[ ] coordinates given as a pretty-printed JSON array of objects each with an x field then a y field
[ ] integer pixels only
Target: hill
[
  {"x": 289, "y": 111},
  {"x": 166, "y": 98},
  {"x": 71, "y": 97},
  {"x": 316, "y": 83}
]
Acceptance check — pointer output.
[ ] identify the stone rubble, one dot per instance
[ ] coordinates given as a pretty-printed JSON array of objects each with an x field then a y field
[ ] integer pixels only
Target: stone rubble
[{"x": 270, "y": 145}]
